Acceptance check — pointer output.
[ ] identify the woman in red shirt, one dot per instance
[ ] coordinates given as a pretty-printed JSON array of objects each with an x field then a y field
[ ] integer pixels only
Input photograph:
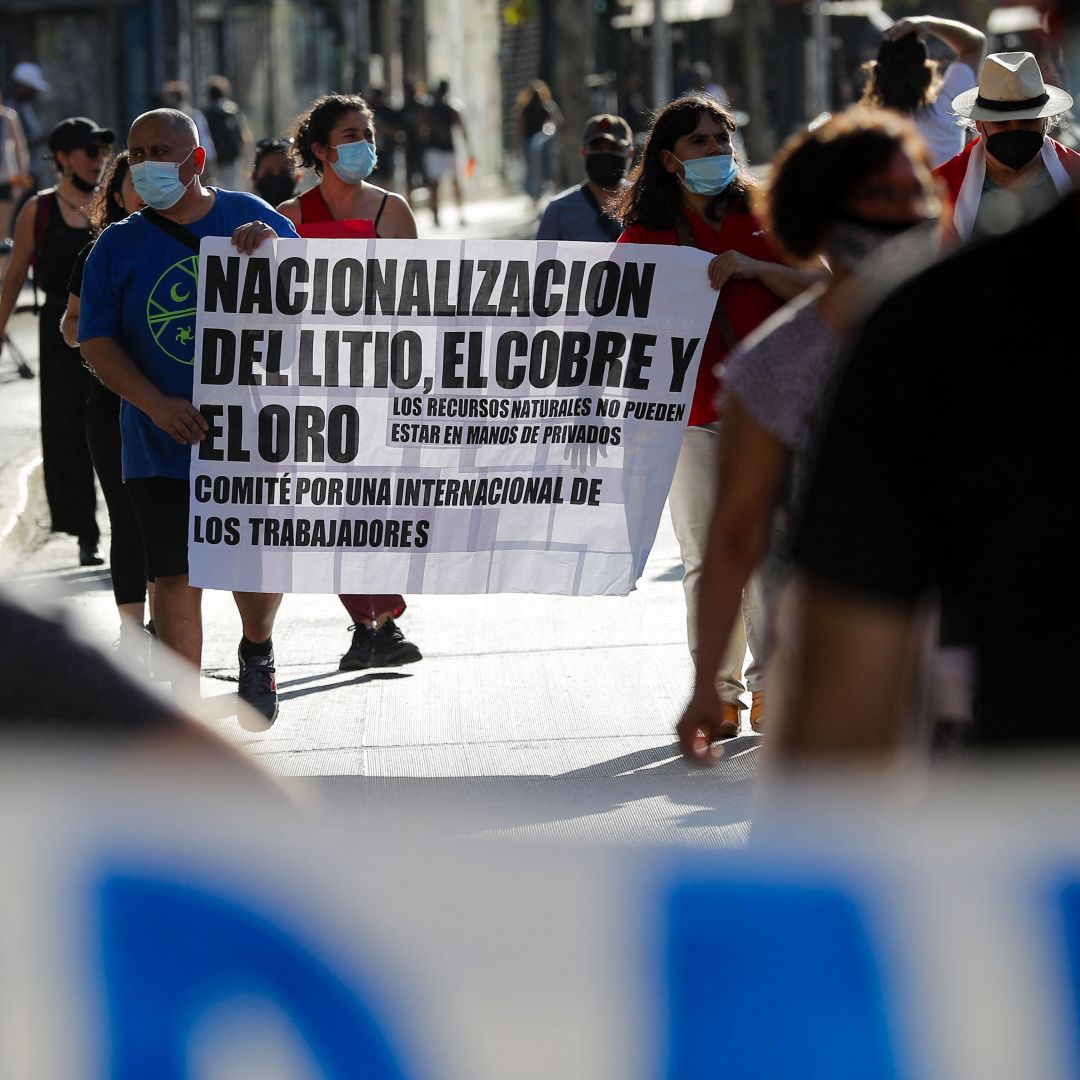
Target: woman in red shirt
[
  {"x": 689, "y": 188},
  {"x": 336, "y": 138}
]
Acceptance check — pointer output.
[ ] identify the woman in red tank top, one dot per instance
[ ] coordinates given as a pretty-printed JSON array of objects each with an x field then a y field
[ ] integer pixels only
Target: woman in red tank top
[{"x": 336, "y": 138}]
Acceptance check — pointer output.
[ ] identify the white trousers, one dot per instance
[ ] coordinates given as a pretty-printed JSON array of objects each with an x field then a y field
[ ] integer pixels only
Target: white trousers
[{"x": 691, "y": 501}]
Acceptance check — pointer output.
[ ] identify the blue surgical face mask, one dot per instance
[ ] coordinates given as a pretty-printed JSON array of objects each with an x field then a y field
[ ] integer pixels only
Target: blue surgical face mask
[
  {"x": 355, "y": 160},
  {"x": 158, "y": 182},
  {"x": 709, "y": 175}
]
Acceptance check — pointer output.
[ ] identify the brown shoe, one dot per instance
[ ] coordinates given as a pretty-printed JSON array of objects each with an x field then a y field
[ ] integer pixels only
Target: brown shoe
[
  {"x": 728, "y": 727},
  {"x": 757, "y": 711}
]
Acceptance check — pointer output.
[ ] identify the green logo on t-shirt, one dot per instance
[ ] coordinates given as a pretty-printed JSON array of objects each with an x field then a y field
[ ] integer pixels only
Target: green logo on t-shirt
[{"x": 170, "y": 310}]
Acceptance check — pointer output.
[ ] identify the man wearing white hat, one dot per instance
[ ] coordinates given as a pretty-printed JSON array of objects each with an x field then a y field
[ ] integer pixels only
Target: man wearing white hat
[{"x": 1014, "y": 171}]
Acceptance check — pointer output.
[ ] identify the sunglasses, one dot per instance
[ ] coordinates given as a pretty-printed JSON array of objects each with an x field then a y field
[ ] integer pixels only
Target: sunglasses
[{"x": 93, "y": 150}]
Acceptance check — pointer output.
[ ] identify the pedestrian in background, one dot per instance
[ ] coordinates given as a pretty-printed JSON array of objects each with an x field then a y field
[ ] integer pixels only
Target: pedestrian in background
[
  {"x": 336, "y": 139},
  {"x": 175, "y": 94},
  {"x": 228, "y": 130},
  {"x": 537, "y": 118},
  {"x": 51, "y": 230},
  {"x": 689, "y": 188},
  {"x": 1013, "y": 171},
  {"x": 388, "y": 136},
  {"x": 904, "y": 78},
  {"x": 27, "y": 86},
  {"x": 115, "y": 200},
  {"x": 410, "y": 117},
  {"x": 442, "y": 126},
  {"x": 15, "y": 176},
  {"x": 273, "y": 172},
  {"x": 858, "y": 187},
  {"x": 581, "y": 213}
]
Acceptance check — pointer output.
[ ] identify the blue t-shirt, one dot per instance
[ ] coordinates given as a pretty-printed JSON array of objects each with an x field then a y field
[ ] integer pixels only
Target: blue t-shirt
[{"x": 140, "y": 287}]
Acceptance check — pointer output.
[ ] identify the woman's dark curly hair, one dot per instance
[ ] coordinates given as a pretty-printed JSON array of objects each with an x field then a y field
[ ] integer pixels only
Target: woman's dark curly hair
[
  {"x": 316, "y": 124},
  {"x": 109, "y": 203},
  {"x": 654, "y": 196},
  {"x": 815, "y": 173}
]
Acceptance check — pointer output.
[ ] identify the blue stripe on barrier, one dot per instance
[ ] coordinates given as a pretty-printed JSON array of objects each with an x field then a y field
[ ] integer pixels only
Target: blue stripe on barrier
[
  {"x": 773, "y": 981},
  {"x": 171, "y": 952}
]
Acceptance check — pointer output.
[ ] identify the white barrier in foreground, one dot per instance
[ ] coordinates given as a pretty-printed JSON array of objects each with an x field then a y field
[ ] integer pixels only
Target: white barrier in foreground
[{"x": 147, "y": 931}]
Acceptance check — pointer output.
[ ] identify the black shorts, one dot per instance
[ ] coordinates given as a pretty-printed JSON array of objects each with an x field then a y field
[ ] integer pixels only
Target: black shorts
[{"x": 161, "y": 507}]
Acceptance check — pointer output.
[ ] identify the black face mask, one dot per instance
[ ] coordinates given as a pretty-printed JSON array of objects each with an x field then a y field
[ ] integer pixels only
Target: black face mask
[
  {"x": 605, "y": 169},
  {"x": 276, "y": 188},
  {"x": 81, "y": 184},
  {"x": 1014, "y": 149}
]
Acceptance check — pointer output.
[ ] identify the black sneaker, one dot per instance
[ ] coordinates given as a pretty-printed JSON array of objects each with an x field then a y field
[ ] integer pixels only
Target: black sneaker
[
  {"x": 258, "y": 688},
  {"x": 89, "y": 554},
  {"x": 385, "y": 647}
]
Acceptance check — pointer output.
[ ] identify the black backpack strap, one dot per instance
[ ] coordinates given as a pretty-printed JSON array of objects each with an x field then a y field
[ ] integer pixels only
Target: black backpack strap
[
  {"x": 609, "y": 225},
  {"x": 382, "y": 207},
  {"x": 720, "y": 315},
  {"x": 171, "y": 228}
]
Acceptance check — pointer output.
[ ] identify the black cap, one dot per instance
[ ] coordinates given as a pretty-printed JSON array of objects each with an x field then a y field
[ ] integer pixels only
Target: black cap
[
  {"x": 908, "y": 51},
  {"x": 76, "y": 132}
]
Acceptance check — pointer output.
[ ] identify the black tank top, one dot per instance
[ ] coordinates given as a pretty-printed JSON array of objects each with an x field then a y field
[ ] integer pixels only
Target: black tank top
[{"x": 56, "y": 254}]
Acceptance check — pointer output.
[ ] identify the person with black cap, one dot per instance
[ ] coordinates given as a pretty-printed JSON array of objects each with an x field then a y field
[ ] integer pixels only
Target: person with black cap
[
  {"x": 50, "y": 231},
  {"x": 580, "y": 213},
  {"x": 1014, "y": 171},
  {"x": 905, "y": 79}
]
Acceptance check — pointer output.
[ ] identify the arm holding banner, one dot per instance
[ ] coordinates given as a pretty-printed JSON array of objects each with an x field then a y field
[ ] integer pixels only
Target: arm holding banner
[
  {"x": 174, "y": 415},
  {"x": 786, "y": 282}
]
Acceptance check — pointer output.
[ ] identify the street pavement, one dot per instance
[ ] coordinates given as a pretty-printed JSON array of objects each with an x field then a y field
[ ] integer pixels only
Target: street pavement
[{"x": 529, "y": 716}]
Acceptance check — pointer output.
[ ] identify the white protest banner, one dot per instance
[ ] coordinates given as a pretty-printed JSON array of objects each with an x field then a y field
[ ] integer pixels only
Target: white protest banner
[{"x": 439, "y": 416}]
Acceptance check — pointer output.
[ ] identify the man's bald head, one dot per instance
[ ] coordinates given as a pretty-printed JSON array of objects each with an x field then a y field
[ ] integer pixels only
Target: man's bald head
[{"x": 179, "y": 124}]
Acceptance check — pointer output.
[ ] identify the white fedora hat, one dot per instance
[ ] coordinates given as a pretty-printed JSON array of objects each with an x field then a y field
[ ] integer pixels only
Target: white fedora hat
[{"x": 1011, "y": 87}]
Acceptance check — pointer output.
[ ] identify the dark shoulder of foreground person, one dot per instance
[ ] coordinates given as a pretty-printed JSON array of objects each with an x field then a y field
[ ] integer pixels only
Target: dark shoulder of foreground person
[
  {"x": 871, "y": 518},
  {"x": 91, "y": 699}
]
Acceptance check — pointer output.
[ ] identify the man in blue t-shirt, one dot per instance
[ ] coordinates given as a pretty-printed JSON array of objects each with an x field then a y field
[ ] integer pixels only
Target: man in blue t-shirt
[{"x": 137, "y": 330}]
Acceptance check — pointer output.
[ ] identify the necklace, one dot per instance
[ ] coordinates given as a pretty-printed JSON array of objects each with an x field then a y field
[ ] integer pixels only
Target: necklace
[{"x": 72, "y": 206}]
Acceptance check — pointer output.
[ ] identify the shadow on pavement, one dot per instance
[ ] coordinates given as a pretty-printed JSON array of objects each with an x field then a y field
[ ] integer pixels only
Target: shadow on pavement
[{"x": 718, "y": 797}]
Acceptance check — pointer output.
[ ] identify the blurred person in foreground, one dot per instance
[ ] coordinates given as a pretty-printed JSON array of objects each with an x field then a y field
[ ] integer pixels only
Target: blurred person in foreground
[
  {"x": 689, "y": 188},
  {"x": 1014, "y": 170},
  {"x": 143, "y": 265},
  {"x": 904, "y": 78},
  {"x": 581, "y": 213},
  {"x": 857, "y": 190},
  {"x": 947, "y": 467},
  {"x": 91, "y": 705}
]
